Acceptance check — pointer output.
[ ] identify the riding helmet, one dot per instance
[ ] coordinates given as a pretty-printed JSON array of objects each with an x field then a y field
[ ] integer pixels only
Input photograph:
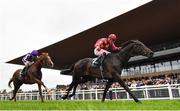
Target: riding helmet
[
  {"x": 34, "y": 52},
  {"x": 112, "y": 36}
]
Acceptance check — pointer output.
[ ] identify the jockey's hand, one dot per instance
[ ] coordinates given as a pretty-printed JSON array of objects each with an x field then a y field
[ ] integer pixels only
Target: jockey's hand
[{"x": 117, "y": 49}]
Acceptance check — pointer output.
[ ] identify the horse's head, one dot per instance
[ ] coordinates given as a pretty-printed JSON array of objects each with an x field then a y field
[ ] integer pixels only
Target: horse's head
[
  {"x": 45, "y": 60},
  {"x": 138, "y": 48}
]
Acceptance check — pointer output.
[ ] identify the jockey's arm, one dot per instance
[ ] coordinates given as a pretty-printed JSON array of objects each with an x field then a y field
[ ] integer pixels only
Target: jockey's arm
[
  {"x": 114, "y": 47},
  {"x": 24, "y": 59},
  {"x": 119, "y": 48}
]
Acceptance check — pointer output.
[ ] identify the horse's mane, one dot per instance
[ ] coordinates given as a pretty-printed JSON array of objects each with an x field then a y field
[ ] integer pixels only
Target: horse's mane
[{"x": 127, "y": 43}]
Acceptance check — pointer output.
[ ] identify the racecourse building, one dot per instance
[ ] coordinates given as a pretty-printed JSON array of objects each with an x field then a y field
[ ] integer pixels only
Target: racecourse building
[{"x": 156, "y": 24}]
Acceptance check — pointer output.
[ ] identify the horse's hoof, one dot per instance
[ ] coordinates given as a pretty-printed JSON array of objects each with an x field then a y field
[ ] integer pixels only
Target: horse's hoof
[
  {"x": 102, "y": 100},
  {"x": 71, "y": 95},
  {"x": 63, "y": 97},
  {"x": 48, "y": 90},
  {"x": 137, "y": 101}
]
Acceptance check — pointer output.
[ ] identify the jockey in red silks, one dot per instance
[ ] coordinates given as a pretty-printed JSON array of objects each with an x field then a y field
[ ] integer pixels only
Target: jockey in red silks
[
  {"x": 28, "y": 60},
  {"x": 105, "y": 46}
]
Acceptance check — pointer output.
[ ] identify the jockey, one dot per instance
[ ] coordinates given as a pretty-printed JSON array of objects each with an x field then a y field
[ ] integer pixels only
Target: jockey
[
  {"x": 28, "y": 60},
  {"x": 105, "y": 46}
]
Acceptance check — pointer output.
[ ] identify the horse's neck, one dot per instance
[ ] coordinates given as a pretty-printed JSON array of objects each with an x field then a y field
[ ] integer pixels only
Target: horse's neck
[
  {"x": 37, "y": 64},
  {"x": 125, "y": 54}
]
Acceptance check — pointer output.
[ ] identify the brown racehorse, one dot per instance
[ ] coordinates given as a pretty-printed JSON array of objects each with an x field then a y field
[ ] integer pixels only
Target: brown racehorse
[
  {"x": 34, "y": 75},
  {"x": 83, "y": 71}
]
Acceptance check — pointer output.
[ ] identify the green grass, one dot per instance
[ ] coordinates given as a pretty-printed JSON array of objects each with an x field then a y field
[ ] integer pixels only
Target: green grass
[{"x": 91, "y": 105}]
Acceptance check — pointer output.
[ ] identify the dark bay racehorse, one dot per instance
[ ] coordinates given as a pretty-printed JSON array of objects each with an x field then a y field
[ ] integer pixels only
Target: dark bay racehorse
[
  {"x": 34, "y": 75},
  {"x": 82, "y": 71}
]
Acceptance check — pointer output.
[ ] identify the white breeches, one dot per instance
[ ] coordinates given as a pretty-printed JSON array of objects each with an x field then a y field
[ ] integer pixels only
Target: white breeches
[{"x": 100, "y": 53}]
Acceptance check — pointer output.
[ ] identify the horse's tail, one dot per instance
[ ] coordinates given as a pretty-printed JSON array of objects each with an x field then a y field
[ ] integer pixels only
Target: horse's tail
[
  {"x": 9, "y": 83},
  {"x": 67, "y": 71}
]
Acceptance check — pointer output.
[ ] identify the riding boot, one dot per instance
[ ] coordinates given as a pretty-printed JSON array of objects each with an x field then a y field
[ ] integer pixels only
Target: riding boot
[
  {"x": 102, "y": 59},
  {"x": 24, "y": 71}
]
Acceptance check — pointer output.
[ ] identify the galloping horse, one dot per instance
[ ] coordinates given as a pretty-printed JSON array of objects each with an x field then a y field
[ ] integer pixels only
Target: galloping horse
[
  {"x": 83, "y": 71},
  {"x": 34, "y": 75}
]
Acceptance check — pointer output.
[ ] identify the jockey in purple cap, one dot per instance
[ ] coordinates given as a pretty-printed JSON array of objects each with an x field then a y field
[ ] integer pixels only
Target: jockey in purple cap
[{"x": 28, "y": 60}]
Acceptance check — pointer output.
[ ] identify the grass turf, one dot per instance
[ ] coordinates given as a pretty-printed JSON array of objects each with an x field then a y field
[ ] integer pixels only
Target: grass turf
[{"x": 91, "y": 105}]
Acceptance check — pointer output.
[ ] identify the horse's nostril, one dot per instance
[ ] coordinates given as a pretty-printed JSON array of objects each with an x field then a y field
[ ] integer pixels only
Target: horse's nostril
[{"x": 151, "y": 54}]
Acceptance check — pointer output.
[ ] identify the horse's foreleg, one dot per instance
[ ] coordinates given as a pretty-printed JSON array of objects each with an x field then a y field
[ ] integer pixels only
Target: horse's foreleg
[
  {"x": 45, "y": 87},
  {"x": 41, "y": 83},
  {"x": 108, "y": 85},
  {"x": 121, "y": 82},
  {"x": 40, "y": 92}
]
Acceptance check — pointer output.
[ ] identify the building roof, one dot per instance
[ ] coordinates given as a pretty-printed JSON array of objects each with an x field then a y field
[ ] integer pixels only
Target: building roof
[{"x": 153, "y": 23}]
